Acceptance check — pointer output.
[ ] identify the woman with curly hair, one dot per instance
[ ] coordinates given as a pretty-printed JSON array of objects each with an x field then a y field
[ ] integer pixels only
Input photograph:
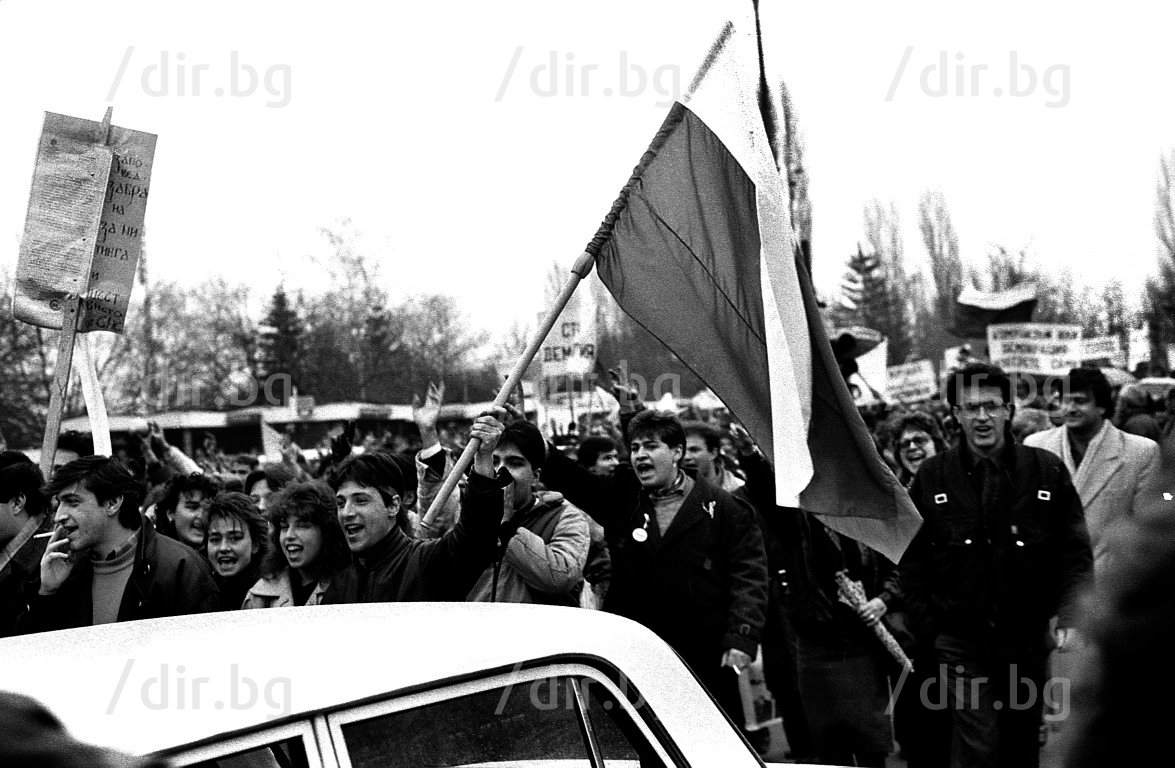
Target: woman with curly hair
[
  {"x": 306, "y": 547},
  {"x": 915, "y": 436},
  {"x": 236, "y": 543}
]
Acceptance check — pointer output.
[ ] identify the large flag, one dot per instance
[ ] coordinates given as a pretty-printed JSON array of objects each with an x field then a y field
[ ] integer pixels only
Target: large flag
[
  {"x": 975, "y": 310},
  {"x": 699, "y": 250}
]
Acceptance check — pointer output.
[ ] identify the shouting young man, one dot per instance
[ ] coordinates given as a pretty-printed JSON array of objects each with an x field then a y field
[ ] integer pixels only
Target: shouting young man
[{"x": 687, "y": 558}]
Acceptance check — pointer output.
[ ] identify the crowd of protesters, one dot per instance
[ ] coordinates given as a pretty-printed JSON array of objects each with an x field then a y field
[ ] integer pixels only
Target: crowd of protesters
[{"x": 671, "y": 522}]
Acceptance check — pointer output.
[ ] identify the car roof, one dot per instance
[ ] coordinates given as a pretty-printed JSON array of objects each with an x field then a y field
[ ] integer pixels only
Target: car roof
[{"x": 134, "y": 686}]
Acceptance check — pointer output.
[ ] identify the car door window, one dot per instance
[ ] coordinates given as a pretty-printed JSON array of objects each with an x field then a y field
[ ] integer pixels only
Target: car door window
[
  {"x": 527, "y": 721},
  {"x": 287, "y": 753},
  {"x": 573, "y": 720}
]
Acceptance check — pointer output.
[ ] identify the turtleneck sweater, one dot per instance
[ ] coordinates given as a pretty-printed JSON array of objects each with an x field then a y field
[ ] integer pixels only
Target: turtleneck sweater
[{"x": 110, "y": 579}]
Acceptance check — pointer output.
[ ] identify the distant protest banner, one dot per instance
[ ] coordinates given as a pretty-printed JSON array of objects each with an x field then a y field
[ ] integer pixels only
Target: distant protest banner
[
  {"x": 568, "y": 354},
  {"x": 910, "y": 383},
  {"x": 1140, "y": 347},
  {"x": 111, "y": 257},
  {"x": 1044, "y": 349},
  {"x": 1103, "y": 350}
]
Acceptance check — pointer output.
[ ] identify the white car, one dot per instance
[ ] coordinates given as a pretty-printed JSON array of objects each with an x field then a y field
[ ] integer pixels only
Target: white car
[{"x": 382, "y": 685}]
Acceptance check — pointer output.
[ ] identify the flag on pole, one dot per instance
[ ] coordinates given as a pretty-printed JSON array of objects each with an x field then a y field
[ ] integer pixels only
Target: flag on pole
[
  {"x": 699, "y": 249},
  {"x": 975, "y": 310}
]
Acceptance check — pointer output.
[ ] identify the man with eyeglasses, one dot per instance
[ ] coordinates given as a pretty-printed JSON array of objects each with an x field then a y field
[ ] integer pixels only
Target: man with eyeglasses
[
  {"x": 1002, "y": 550},
  {"x": 1112, "y": 469}
]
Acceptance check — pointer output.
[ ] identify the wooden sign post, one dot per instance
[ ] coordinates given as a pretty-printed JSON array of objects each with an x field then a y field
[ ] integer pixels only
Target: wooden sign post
[{"x": 81, "y": 244}]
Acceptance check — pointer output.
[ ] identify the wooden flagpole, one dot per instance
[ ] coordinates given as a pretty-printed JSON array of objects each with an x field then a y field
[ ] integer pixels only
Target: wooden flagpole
[{"x": 579, "y": 271}]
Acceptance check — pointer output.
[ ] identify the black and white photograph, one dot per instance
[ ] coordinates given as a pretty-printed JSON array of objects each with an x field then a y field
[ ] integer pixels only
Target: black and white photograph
[{"x": 530, "y": 384}]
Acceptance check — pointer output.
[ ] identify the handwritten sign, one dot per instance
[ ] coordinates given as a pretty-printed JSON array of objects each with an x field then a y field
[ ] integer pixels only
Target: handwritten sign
[
  {"x": 120, "y": 235},
  {"x": 61, "y": 227},
  {"x": 569, "y": 351},
  {"x": 1106, "y": 350},
  {"x": 910, "y": 383},
  {"x": 1045, "y": 349}
]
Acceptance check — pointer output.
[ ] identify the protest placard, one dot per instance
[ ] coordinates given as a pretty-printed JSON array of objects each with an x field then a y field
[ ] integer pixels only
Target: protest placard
[
  {"x": 61, "y": 227},
  {"x": 1103, "y": 350},
  {"x": 114, "y": 253},
  {"x": 910, "y": 383},
  {"x": 1046, "y": 349},
  {"x": 568, "y": 354}
]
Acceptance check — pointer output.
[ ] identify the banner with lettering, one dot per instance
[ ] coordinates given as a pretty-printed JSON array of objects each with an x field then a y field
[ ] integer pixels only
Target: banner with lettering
[
  {"x": 1104, "y": 351},
  {"x": 910, "y": 383},
  {"x": 1045, "y": 349},
  {"x": 112, "y": 256}
]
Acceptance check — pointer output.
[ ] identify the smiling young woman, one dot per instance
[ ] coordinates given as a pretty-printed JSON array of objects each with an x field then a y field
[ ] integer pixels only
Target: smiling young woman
[
  {"x": 306, "y": 547},
  {"x": 235, "y": 545}
]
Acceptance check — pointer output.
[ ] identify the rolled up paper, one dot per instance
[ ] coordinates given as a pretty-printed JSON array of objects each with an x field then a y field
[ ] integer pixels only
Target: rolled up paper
[{"x": 852, "y": 594}]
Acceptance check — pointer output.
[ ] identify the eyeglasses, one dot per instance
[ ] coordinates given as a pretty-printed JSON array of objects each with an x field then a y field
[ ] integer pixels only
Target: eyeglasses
[
  {"x": 914, "y": 441},
  {"x": 974, "y": 410}
]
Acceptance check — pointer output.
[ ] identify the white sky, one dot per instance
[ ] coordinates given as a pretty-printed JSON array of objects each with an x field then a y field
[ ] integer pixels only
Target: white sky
[{"x": 469, "y": 175}]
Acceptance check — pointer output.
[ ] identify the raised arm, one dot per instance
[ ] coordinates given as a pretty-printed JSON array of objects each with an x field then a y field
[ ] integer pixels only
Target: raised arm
[{"x": 454, "y": 561}]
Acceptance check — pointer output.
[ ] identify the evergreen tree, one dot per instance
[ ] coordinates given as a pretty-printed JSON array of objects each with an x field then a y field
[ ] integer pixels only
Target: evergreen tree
[{"x": 280, "y": 346}]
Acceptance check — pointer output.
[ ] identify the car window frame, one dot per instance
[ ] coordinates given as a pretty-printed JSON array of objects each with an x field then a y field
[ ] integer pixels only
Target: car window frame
[
  {"x": 265, "y": 736},
  {"x": 521, "y": 674}
]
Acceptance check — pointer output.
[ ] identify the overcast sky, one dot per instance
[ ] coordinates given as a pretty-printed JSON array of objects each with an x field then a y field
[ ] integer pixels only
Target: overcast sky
[{"x": 469, "y": 162}]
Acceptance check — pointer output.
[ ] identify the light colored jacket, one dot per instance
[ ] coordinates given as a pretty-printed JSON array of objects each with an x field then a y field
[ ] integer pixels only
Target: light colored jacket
[
  {"x": 278, "y": 592},
  {"x": 543, "y": 561},
  {"x": 1116, "y": 468}
]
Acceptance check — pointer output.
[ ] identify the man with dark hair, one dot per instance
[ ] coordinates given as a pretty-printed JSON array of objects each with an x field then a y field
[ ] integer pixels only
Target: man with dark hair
[
  {"x": 687, "y": 558},
  {"x": 598, "y": 454},
  {"x": 1109, "y": 467},
  {"x": 703, "y": 453},
  {"x": 22, "y": 515},
  {"x": 1003, "y": 548},
  {"x": 182, "y": 513},
  {"x": 102, "y": 564},
  {"x": 543, "y": 540},
  {"x": 389, "y": 565}
]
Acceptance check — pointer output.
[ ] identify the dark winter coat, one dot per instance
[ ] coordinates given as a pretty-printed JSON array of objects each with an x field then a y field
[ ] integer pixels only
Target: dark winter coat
[
  {"x": 167, "y": 579},
  {"x": 702, "y": 587},
  {"x": 403, "y": 569},
  {"x": 997, "y": 581}
]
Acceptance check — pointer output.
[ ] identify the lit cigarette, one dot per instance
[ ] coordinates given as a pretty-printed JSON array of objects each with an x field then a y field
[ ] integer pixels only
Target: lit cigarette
[{"x": 43, "y": 535}]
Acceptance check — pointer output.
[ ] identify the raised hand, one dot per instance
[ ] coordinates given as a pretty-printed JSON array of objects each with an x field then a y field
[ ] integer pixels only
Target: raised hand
[
  {"x": 158, "y": 441},
  {"x": 488, "y": 428},
  {"x": 620, "y": 388},
  {"x": 340, "y": 447},
  {"x": 425, "y": 415},
  {"x": 741, "y": 439}
]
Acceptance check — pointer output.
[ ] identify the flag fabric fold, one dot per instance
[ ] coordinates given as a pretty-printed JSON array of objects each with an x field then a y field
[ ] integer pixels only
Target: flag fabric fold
[
  {"x": 975, "y": 310},
  {"x": 699, "y": 250}
]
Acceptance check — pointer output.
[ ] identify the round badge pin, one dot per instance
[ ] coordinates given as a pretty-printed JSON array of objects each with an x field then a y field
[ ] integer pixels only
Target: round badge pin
[{"x": 640, "y": 534}]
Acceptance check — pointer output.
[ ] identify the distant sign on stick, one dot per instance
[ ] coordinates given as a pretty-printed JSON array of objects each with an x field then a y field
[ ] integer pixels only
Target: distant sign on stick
[
  {"x": 113, "y": 254},
  {"x": 1046, "y": 349},
  {"x": 910, "y": 383}
]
